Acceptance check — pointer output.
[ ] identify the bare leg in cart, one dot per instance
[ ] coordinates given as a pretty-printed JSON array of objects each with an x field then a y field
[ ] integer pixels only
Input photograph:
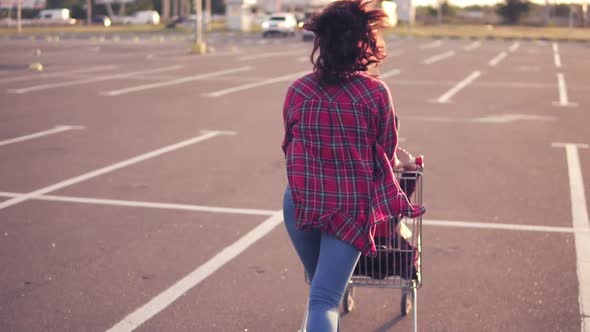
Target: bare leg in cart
[{"x": 329, "y": 264}]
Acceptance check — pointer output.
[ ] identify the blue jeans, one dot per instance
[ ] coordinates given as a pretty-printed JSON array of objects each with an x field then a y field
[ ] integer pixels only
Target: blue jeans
[{"x": 328, "y": 262}]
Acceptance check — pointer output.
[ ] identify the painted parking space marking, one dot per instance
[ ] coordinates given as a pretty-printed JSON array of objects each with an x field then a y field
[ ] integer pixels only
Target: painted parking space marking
[
  {"x": 390, "y": 73},
  {"x": 490, "y": 119},
  {"x": 205, "y": 135},
  {"x": 57, "y": 129},
  {"x": 174, "y": 82},
  {"x": 59, "y": 74},
  {"x": 91, "y": 80},
  {"x": 582, "y": 225},
  {"x": 556, "y": 57},
  {"x": 438, "y": 57},
  {"x": 472, "y": 46},
  {"x": 142, "y": 204},
  {"x": 498, "y": 226},
  {"x": 497, "y": 59},
  {"x": 161, "y": 301},
  {"x": 514, "y": 47},
  {"x": 262, "y": 212},
  {"x": 445, "y": 98},
  {"x": 433, "y": 44},
  {"x": 562, "y": 89},
  {"x": 243, "y": 87},
  {"x": 164, "y": 299}
]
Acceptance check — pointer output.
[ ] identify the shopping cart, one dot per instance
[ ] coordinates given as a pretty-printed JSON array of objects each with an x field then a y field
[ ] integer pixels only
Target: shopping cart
[{"x": 398, "y": 261}]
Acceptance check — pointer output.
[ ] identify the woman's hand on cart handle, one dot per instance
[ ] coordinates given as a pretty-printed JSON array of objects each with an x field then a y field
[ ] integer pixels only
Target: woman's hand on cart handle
[{"x": 405, "y": 160}]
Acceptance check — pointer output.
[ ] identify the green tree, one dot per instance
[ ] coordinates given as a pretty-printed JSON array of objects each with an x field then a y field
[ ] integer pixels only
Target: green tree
[
  {"x": 448, "y": 10},
  {"x": 513, "y": 10}
]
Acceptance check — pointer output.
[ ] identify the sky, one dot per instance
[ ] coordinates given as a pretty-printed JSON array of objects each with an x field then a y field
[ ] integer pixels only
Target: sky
[{"x": 463, "y": 3}]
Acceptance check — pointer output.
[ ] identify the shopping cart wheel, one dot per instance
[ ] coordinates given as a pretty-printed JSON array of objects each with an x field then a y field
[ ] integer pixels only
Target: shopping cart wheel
[
  {"x": 407, "y": 302},
  {"x": 348, "y": 301}
]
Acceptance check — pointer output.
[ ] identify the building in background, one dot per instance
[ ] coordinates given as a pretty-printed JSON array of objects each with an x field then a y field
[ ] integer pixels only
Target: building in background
[
  {"x": 406, "y": 11},
  {"x": 239, "y": 14}
]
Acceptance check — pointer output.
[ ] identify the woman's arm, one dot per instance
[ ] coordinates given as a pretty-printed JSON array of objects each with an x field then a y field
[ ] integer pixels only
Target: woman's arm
[
  {"x": 286, "y": 109},
  {"x": 387, "y": 136}
]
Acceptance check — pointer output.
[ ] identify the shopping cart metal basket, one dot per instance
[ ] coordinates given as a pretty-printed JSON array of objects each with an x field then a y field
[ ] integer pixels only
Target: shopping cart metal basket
[{"x": 397, "y": 263}]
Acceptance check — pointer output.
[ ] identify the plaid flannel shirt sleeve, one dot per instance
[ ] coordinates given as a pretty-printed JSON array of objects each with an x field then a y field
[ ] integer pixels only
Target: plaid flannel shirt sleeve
[
  {"x": 387, "y": 135},
  {"x": 286, "y": 109}
]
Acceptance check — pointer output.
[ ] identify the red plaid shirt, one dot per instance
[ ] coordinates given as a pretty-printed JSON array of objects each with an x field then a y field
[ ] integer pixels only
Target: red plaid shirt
[{"x": 339, "y": 147}]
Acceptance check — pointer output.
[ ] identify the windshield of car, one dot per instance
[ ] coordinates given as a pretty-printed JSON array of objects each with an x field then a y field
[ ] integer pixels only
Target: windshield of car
[{"x": 278, "y": 18}]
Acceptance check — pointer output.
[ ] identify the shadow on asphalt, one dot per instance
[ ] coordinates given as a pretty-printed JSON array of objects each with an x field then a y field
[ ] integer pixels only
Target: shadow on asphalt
[{"x": 387, "y": 326}]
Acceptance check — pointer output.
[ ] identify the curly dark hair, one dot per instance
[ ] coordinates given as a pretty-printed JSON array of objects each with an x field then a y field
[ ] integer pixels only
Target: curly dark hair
[{"x": 345, "y": 38}]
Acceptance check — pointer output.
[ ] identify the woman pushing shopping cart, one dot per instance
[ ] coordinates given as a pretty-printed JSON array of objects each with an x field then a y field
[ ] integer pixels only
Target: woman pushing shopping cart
[
  {"x": 397, "y": 263},
  {"x": 340, "y": 148}
]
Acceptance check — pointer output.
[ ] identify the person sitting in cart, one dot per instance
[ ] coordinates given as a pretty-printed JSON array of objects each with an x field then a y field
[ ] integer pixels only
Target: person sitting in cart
[{"x": 339, "y": 144}]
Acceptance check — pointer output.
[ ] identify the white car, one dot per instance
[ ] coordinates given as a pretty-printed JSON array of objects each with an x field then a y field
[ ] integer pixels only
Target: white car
[
  {"x": 143, "y": 17},
  {"x": 280, "y": 23},
  {"x": 55, "y": 16}
]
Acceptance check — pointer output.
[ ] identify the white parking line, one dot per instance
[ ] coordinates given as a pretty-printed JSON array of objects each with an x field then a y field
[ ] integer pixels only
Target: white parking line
[
  {"x": 431, "y": 45},
  {"x": 91, "y": 80},
  {"x": 514, "y": 47},
  {"x": 164, "y": 299},
  {"x": 173, "y": 82},
  {"x": 170, "y": 295},
  {"x": 270, "y": 55},
  {"x": 472, "y": 46},
  {"x": 391, "y": 73},
  {"x": 438, "y": 57},
  {"x": 580, "y": 222},
  {"x": 57, "y": 129},
  {"x": 487, "y": 225},
  {"x": 58, "y": 74},
  {"x": 458, "y": 87},
  {"x": 497, "y": 59},
  {"x": 223, "y": 92},
  {"x": 556, "y": 57},
  {"x": 563, "y": 98},
  {"x": 259, "y": 212},
  {"x": 148, "y": 205},
  {"x": 86, "y": 176}
]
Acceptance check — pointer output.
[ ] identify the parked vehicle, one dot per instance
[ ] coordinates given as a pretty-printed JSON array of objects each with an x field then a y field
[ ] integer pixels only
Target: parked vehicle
[
  {"x": 280, "y": 23},
  {"x": 102, "y": 20},
  {"x": 143, "y": 17},
  {"x": 55, "y": 16}
]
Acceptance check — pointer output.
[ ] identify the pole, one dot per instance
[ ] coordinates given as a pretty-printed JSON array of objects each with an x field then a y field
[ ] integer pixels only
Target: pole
[
  {"x": 439, "y": 12},
  {"x": 166, "y": 10},
  {"x": 175, "y": 8},
  {"x": 89, "y": 12},
  {"x": 199, "y": 46},
  {"x": 19, "y": 16},
  {"x": 198, "y": 21},
  {"x": 208, "y": 15},
  {"x": 585, "y": 13}
]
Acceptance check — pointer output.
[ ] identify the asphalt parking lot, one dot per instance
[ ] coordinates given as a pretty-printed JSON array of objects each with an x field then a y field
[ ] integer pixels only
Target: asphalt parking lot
[{"x": 141, "y": 187}]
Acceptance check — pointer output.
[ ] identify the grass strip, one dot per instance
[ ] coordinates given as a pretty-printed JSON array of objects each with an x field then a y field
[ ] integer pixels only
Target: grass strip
[{"x": 494, "y": 32}]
